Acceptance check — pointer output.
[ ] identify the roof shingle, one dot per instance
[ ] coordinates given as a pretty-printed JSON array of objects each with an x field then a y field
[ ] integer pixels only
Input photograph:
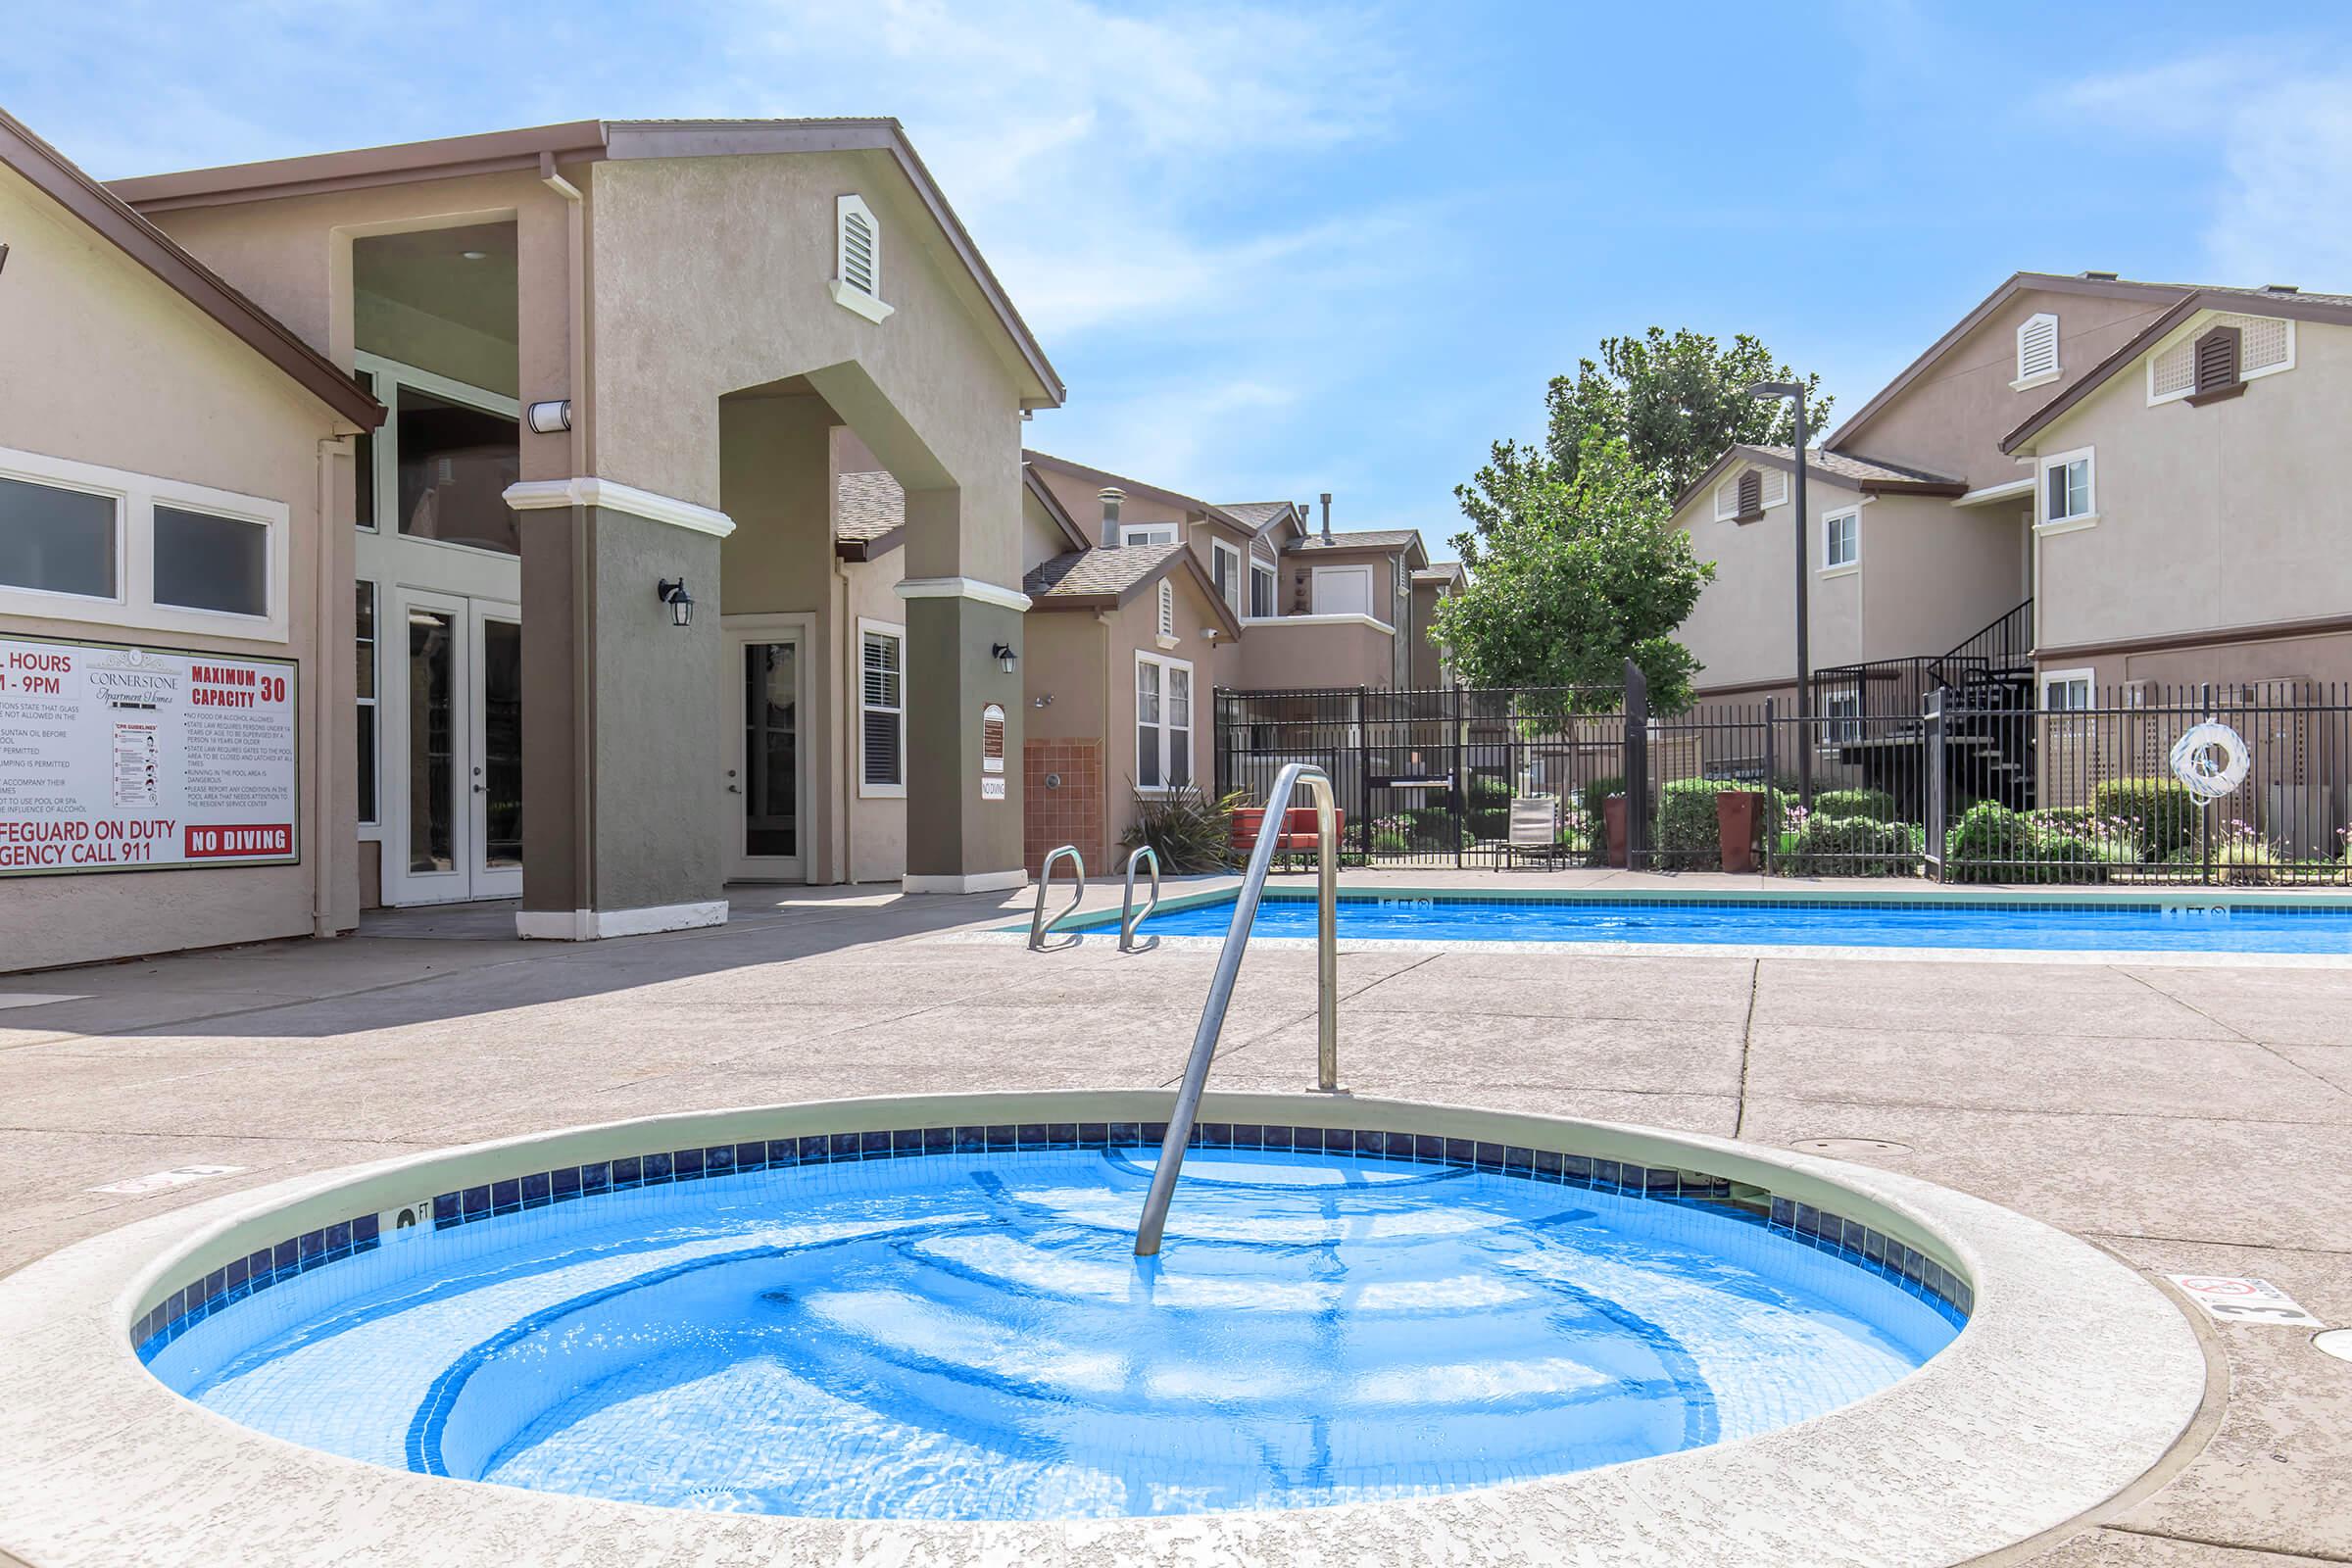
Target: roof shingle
[
  {"x": 1098, "y": 573},
  {"x": 867, "y": 507}
]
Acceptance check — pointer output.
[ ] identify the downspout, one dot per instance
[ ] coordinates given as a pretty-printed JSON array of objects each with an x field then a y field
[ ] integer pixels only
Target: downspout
[
  {"x": 583, "y": 787},
  {"x": 844, "y": 765},
  {"x": 323, "y": 752}
]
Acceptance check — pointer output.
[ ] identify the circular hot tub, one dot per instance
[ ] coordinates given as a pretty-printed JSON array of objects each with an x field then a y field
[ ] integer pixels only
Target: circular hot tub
[{"x": 925, "y": 1316}]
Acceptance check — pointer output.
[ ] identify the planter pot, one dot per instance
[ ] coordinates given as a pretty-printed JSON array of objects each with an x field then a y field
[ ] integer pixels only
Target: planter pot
[
  {"x": 1612, "y": 819},
  {"x": 1736, "y": 815}
]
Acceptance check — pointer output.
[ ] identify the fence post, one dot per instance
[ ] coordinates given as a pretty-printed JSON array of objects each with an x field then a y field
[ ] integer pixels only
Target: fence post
[
  {"x": 1458, "y": 796},
  {"x": 1771, "y": 781},
  {"x": 2205, "y": 715},
  {"x": 1363, "y": 770},
  {"x": 1637, "y": 765},
  {"x": 1934, "y": 805}
]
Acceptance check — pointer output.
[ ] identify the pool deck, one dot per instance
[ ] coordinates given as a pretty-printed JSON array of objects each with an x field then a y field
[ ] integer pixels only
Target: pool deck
[{"x": 2186, "y": 1118}]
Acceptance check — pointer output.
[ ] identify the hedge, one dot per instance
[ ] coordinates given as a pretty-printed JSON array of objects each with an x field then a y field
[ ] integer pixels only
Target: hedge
[
  {"x": 1854, "y": 845},
  {"x": 2162, "y": 813},
  {"x": 1876, "y": 805},
  {"x": 1990, "y": 843},
  {"x": 1689, "y": 836},
  {"x": 1490, "y": 789}
]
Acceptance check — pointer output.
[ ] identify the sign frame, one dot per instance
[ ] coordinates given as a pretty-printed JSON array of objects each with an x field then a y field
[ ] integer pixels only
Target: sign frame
[{"x": 293, "y": 669}]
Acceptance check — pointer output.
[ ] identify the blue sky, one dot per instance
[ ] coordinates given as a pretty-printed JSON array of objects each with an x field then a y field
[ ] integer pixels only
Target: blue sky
[{"x": 1284, "y": 248}]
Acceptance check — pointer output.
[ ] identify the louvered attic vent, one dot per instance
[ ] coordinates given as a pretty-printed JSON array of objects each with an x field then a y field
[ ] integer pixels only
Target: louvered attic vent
[
  {"x": 2264, "y": 344},
  {"x": 2037, "y": 351}
]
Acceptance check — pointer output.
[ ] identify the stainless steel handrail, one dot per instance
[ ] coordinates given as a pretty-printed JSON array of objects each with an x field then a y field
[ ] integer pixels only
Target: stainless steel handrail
[
  {"x": 1229, "y": 966},
  {"x": 1128, "y": 918},
  {"x": 1039, "y": 925}
]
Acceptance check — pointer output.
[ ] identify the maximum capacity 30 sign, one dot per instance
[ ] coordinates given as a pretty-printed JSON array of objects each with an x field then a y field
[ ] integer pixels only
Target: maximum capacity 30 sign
[{"x": 125, "y": 759}]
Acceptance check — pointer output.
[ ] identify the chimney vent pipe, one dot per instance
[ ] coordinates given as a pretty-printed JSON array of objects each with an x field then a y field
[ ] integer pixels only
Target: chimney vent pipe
[
  {"x": 1327, "y": 517},
  {"x": 1111, "y": 495}
]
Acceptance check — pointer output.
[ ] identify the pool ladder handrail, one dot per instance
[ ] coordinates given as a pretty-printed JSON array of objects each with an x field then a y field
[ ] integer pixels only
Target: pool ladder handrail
[
  {"x": 1129, "y": 919},
  {"x": 1039, "y": 925},
  {"x": 1229, "y": 966}
]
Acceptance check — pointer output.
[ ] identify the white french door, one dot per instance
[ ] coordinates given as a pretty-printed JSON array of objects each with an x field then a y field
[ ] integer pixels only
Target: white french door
[
  {"x": 763, "y": 819},
  {"x": 453, "y": 711}
]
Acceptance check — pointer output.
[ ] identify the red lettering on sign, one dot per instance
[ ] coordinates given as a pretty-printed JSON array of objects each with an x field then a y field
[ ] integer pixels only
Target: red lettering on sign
[{"x": 216, "y": 843}]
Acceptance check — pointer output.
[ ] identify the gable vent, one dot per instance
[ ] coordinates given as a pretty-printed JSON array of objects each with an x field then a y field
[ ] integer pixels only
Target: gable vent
[
  {"x": 2216, "y": 365},
  {"x": 2037, "y": 349},
  {"x": 2264, "y": 343},
  {"x": 857, "y": 258},
  {"x": 1751, "y": 496},
  {"x": 857, "y": 252}
]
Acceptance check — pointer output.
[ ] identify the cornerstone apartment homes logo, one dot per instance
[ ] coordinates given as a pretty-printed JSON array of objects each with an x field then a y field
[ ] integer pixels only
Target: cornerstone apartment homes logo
[{"x": 133, "y": 759}]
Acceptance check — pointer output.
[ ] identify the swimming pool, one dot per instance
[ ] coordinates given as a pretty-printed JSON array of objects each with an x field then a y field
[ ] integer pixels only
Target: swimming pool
[
  {"x": 839, "y": 1331},
  {"x": 2202, "y": 924}
]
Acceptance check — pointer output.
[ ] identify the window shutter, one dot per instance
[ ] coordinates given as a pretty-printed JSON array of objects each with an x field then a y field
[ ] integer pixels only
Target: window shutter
[
  {"x": 2038, "y": 347},
  {"x": 1751, "y": 496},
  {"x": 2216, "y": 365}
]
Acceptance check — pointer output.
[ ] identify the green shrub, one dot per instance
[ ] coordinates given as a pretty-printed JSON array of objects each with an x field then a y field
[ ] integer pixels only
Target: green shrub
[
  {"x": 1391, "y": 844},
  {"x": 1188, "y": 830},
  {"x": 1990, "y": 843},
  {"x": 1488, "y": 821},
  {"x": 1490, "y": 789},
  {"x": 1853, "y": 846},
  {"x": 1876, "y": 805},
  {"x": 2164, "y": 815},
  {"x": 1688, "y": 836}
]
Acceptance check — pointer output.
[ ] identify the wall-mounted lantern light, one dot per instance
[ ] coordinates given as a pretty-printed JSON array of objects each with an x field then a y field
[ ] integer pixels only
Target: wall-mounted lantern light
[
  {"x": 551, "y": 417},
  {"x": 680, "y": 602},
  {"x": 1005, "y": 657}
]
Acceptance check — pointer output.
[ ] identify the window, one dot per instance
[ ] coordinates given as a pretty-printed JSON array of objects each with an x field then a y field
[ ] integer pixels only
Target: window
[
  {"x": 1147, "y": 533},
  {"x": 1842, "y": 711},
  {"x": 1228, "y": 572},
  {"x": 364, "y": 625},
  {"x": 2036, "y": 352},
  {"x": 1163, "y": 723},
  {"x": 59, "y": 541},
  {"x": 363, "y": 462},
  {"x": 1261, "y": 591},
  {"x": 2066, "y": 691},
  {"x": 121, "y": 549},
  {"x": 1167, "y": 609},
  {"x": 857, "y": 258},
  {"x": 1842, "y": 539},
  {"x": 2067, "y": 489},
  {"x": 2266, "y": 345},
  {"x": 882, "y": 709},
  {"x": 204, "y": 561},
  {"x": 455, "y": 464}
]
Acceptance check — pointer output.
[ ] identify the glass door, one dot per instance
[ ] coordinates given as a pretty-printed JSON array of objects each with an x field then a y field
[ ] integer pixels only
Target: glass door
[
  {"x": 493, "y": 862},
  {"x": 427, "y": 828},
  {"x": 765, "y": 821}
]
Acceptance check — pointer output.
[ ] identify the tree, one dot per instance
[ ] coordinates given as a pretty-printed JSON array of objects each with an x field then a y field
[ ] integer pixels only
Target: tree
[{"x": 1574, "y": 570}]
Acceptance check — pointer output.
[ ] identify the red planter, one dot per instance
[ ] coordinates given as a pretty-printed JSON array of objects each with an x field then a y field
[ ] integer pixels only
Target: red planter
[
  {"x": 1613, "y": 822},
  {"x": 1736, "y": 815}
]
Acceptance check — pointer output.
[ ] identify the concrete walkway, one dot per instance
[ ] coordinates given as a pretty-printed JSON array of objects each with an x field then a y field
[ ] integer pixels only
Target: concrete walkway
[{"x": 2192, "y": 1120}]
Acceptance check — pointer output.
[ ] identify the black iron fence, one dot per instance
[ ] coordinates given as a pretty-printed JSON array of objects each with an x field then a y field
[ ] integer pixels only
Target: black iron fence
[{"x": 1975, "y": 783}]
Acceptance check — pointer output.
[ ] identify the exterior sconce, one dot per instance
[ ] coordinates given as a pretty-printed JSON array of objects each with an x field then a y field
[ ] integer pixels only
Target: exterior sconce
[
  {"x": 551, "y": 417},
  {"x": 1005, "y": 657},
  {"x": 680, "y": 602}
]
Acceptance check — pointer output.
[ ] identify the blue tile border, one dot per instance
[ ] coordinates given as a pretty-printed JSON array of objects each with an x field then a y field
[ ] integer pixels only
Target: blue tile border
[{"x": 1850, "y": 1241}]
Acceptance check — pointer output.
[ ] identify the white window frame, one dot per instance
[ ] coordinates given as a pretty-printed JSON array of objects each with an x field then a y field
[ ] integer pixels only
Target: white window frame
[
  {"x": 133, "y": 604},
  {"x": 2198, "y": 326},
  {"x": 1192, "y": 728},
  {"x": 2067, "y": 677},
  {"x": 1237, "y": 569},
  {"x": 2055, "y": 368},
  {"x": 848, "y": 296},
  {"x": 1315, "y": 579},
  {"x": 1841, "y": 719},
  {"x": 373, "y": 827},
  {"x": 881, "y": 792},
  {"x": 1149, "y": 533},
  {"x": 2044, "y": 522},
  {"x": 389, "y": 376},
  {"x": 1829, "y": 522},
  {"x": 1273, "y": 575}
]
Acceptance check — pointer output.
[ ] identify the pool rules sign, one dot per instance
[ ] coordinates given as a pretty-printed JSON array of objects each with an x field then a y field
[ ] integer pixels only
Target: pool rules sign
[{"x": 123, "y": 759}]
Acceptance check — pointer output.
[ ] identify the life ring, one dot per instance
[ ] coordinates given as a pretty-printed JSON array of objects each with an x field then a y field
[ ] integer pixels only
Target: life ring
[{"x": 2196, "y": 767}]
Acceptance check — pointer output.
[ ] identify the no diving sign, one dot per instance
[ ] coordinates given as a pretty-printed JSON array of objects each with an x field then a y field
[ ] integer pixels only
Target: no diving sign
[{"x": 2227, "y": 1299}]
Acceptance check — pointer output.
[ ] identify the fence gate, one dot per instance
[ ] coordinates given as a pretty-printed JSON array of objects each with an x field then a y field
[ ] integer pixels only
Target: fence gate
[{"x": 1935, "y": 782}]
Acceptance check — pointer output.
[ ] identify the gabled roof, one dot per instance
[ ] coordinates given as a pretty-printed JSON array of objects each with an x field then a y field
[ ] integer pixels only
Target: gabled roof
[
  {"x": 1447, "y": 573},
  {"x": 590, "y": 142},
  {"x": 1045, "y": 498},
  {"x": 1407, "y": 540},
  {"x": 1135, "y": 487},
  {"x": 57, "y": 177},
  {"x": 1868, "y": 475},
  {"x": 2100, "y": 286},
  {"x": 2333, "y": 309},
  {"x": 1259, "y": 516},
  {"x": 1104, "y": 578}
]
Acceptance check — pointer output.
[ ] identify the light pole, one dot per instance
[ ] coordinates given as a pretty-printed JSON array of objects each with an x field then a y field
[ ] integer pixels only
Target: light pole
[{"x": 1773, "y": 391}]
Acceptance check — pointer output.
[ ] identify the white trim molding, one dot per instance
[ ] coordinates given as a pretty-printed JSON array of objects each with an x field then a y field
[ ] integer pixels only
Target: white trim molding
[
  {"x": 967, "y": 882},
  {"x": 2043, "y": 523},
  {"x": 1994, "y": 494},
  {"x": 542, "y": 495},
  {"x": 1340, "y": 619},
  {"x": 594, "y": 925},
  {"x": 972, "y": 588}
]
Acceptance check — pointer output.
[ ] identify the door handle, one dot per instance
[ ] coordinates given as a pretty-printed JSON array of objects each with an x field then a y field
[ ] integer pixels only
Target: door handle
[{"x": 734, "y": 789}]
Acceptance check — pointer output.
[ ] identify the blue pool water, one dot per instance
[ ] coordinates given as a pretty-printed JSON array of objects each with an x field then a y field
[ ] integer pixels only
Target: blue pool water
[
  {"x": 1925, "y": 922},
  {"x": 970, "y": 1337}
]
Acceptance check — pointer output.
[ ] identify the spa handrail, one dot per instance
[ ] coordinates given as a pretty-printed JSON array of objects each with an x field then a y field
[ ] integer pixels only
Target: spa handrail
[
  {"x": 1039, "y": 925},
  {"x": 1129, "y": 919},
  {"x": 1229, "y": 966}
]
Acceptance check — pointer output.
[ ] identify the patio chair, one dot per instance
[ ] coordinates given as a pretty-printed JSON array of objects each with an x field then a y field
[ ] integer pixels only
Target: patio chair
[{"x": 1535, "y": 828}]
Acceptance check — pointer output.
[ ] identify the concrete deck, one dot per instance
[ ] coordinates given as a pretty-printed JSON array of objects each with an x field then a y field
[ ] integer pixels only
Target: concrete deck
[{"x": 2186, "y": 1119}]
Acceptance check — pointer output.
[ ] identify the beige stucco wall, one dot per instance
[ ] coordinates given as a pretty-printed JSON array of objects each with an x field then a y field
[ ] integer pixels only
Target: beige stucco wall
[
  {"x": 709, "y": 275},
  {"x": 2227, "y": 516},
  {"x": 101, "y": 362},
  {"x": 1275, "y": 656},
  {"x": 1082, "y": 498},
  {"x": 1951, "y": 419}
]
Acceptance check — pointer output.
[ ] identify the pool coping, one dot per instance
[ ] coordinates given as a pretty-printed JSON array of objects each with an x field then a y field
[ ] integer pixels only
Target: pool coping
[
  {"x": 1098, "y": 925},
  {"x": 2011, "y": 1431}
]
